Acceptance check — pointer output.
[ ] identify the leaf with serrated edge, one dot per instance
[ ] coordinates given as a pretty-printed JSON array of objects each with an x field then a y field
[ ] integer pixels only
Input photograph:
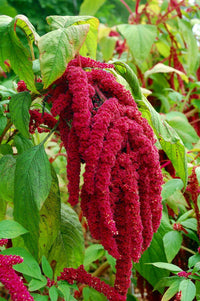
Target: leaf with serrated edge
[
  {"x": 57, "y": 48},
  {"x": 19, "y": 110}
]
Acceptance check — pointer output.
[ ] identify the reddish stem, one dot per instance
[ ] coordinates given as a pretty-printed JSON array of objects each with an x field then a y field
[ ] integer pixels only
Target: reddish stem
[{"x": 126, "y": 5}]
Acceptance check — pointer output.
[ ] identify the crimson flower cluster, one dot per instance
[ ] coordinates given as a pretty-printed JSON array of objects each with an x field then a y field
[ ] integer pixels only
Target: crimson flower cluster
[
  {"x": 100, "y": 126},
  {"x": 9, "y": 278}
]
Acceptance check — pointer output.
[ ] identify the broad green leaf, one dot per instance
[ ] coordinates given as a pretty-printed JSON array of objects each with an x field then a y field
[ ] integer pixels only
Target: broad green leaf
[
  {"x": 197, "y": 284},
  {"x": 161, "y": 68},
  {"x": 68, "y": 248},
  {"x": 197, "y": 171},
  {"x": 32, "y": 186},
  {"x": 168, "y": 138},
  {"x": 167, "y": 266},
  {"x": 111, "y": 260},
  {"x": 12, "y": 49},
  {"x": 38, "y": 297},
  {"x": 190, "y": 223},
  {"x": 6, "y": 92},
  {"x": 172, "y": 242},
  {"x": 29, "y": 266},
  {"x": 89, "y": 46},
  {"x": 46, "y": 268},
  {"x": 19, "y": 110},
  {"x": 3, "y": 122},
  {"x": 90, "y": 7},
  {"x": 89, "y": 294},
  {"x": 36, "y": 284},
  {"x": 22, "y": 143},
  {"x": 6, "y": 149},
  {"x": 193, "y": 260},
  {"x": 185, "y": 216},
  {"x": 166, "y": 282},
  {"x": 188, "y": 290},
  {"x": 128, "y": 74},
  {"x": 8, "y": 10},
  {"x": 184, "y": 129},
  {"x": 64, "y": 287},
  {"x": 170, "y": 187},
  {"x": 139, "y": 38},
  {"x": 50, "y": 218},
  {"x": 172, "y": 290},
  {"x": 92, "y": 253},
  {"x": 107, "y": 46},
  {"x": 192, "y": 48},
  {"x": 57, "y": 48},
  {"x": 24, "y": 24},
  {"x": 11, "y": 229},
  {"x": 3, "y": 207},
  {"x": 154, "y": 253},
  {"x": 53, "y": 293},
  {"x": 7, "y": 172}
]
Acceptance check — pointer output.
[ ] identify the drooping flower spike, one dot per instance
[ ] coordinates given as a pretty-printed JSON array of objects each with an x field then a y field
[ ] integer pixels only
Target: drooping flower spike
[{"x": 101, "y": 127}]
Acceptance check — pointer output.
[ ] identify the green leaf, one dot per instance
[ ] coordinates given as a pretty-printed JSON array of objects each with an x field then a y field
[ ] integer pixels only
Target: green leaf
[
  {"x": 89, "y": 47},
  {"x": 188, "y": 290},
  {"x": 3, "y": 123},
  {"x": 46, "y": 268},
  {"x": 197, "y": 284},
  {"x": 57, "y": 48},
  {"x": 154, "y": 253},
  {"x": 190, "y": 223},
  {"x": 53, "y": 293},
  {"x": 193, "y": 260},
  {"x": 192, "y": 48},
  {"x": 68, "y": 248},
  {"x": 12, "y": 49},
  {"x": 7, "y": 172},
  {"x": 172, "y": 290},
  {"x": 128, "y": 74},
  {"x": 24, "y": 24},
  {"x": 168, "y": 138},
  {"x": 36, "y": 284},
  {"x": 161, "y": 68},
  {"x": 167, "y": 266},
  {"x": 107, "y": 46},
  {"x": 6, "y": 149},
  {"x": 19, "y": 110},
  {"x": 64, "y": 287},
  {"x": 3, "y": 208},
  {"x": 197, "y": 171},
  {"x": 29, "y": 266},
  {"x": 111, "y": 260},
  {"x": 93, "y": 253},
  {"x": 184, "y": 129},
  {"x": 32, "y": 186},
  {"x": 50, "y": 218},
  {"x": 139, "y": 38},
  {"x": 22, "y": 143},
  {"x": 185, "y": 216},
  {"x": 90, "y": 7},
  {"x": 89, "y": 294},
  {"x": 170, "y": 187},
  {"x": 172, "y": 242},
  {"x": 38, "y": 297},
  {"x": 11, "y": 229}
]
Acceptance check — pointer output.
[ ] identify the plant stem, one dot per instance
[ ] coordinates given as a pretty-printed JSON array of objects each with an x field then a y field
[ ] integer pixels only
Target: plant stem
[
  {"x": 188, "y": 250},
  {"x": 51, "y": 132},
  {"x": 126, "y": 5},
  {"x": 9, "y": 124},
  {"x": 101, "y": 269},
  {"x": 192, "y": 112}
]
